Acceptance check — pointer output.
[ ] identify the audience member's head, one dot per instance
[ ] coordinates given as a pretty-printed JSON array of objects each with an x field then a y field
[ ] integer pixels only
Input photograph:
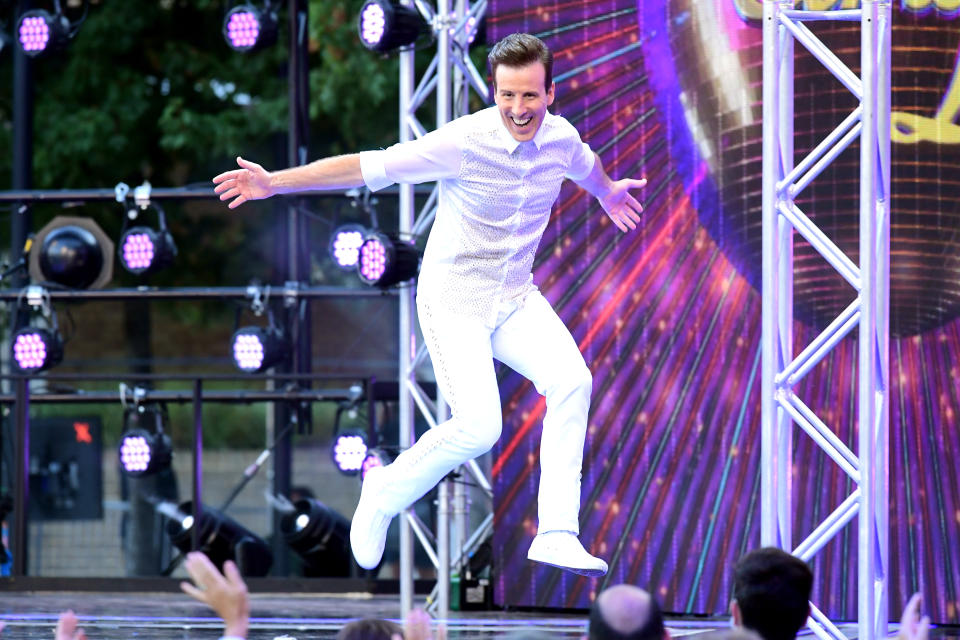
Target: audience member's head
[
  {"x": 771, "y": 593},
  {"x": 625, "y": 612},
  {"x": 370, "y": 629}
]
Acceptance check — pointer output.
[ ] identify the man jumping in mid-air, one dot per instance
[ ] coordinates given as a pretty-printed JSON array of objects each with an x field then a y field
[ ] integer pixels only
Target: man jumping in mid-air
[{"x": 500, "y": 172}]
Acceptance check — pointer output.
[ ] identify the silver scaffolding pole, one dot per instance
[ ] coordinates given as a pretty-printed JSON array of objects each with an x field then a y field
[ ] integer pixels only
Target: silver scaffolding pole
[
  {"x": 450, "y": 75},
  {"x": 868, "y": 468}
]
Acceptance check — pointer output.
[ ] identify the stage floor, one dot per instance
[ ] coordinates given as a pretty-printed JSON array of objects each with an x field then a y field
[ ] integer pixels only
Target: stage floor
[{"x": 149, "y": 616}]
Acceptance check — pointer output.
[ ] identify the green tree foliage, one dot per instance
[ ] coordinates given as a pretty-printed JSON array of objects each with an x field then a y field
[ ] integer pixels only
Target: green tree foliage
[{"x": 150, "y": 90}]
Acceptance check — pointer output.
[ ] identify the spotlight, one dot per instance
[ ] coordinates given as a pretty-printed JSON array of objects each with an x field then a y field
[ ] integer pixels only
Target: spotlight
[
  {"x": 36, "y": 349},
  {"x": 72, "y": 252},
  {"x": 221, "y": 538},
  {"x": 386, "y": 260},
  {"x": 256, "y": 349},
  {"x": 144, "y": 448},
  {"x": 375, "y": 457},
  {"x": 246, "y": 28},
  {"x": 320, "y": 536},
  {"x": 39, "y": 32},
  {"x": 349, "y": 450},
  {"x": 144, "y": 249},
  {"x": 386, "y": 25},
  {"x": 345, "y": 245}
]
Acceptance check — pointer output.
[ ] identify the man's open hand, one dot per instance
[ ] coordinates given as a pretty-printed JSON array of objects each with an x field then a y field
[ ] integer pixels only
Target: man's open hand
[
  {"x": 622, "y": 207},
  {"x": 250, "y": 182}
]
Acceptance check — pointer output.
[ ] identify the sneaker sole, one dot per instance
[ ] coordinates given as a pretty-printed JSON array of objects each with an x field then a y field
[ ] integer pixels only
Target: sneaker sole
[{"x": 589, "y": 573}]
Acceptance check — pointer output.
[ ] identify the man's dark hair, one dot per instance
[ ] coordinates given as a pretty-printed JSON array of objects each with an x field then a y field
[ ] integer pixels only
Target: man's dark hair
[
  {"x": 652, "y": 628},
  {"x": 369, "y": 629},
  {"x": 519, "y": 50},
  {"x": 772, "y": 590}
]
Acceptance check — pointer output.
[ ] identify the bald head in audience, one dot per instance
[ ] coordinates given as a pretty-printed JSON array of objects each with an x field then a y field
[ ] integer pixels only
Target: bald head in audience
[{"x": 626, "y": 612}]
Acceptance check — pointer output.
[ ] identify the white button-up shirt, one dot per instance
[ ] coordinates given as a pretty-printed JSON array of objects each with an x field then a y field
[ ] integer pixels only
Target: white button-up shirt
[{"x": 495, "y": 199}]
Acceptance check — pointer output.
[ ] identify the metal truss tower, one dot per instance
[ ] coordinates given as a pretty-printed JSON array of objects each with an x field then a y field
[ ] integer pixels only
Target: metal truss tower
[
  {"x": 450, "y": 77},
  {"x": 869, "y": 309}
]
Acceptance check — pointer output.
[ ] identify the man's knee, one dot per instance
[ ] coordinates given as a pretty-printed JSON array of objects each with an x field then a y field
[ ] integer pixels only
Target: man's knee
[{"x": 480, "y": 431}]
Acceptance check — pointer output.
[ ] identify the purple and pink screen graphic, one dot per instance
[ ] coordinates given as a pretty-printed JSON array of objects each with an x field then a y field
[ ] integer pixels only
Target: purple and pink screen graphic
[{"x": 668, "y": 316}]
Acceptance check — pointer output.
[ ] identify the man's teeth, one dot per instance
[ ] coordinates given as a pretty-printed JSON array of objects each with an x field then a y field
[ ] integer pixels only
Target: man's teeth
[{"x": 521, "y": 123}]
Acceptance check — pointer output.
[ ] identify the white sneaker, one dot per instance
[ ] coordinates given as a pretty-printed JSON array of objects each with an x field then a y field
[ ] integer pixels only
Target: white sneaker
[
  {"x": 368, "y": 530},
  {"x": 563, "y": 550}
]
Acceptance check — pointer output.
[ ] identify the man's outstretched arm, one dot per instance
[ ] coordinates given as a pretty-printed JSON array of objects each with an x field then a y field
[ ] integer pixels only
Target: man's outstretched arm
[
  {"x": 253, "y": 182},
  {"x": 614, "y": 195}
]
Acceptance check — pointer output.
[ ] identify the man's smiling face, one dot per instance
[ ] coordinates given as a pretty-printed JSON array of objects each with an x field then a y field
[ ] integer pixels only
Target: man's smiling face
[{"x": 522, "y": 98}]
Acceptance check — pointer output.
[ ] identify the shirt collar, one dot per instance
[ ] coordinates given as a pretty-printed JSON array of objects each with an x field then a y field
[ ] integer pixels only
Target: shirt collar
[{"x": 509, "y": 142}]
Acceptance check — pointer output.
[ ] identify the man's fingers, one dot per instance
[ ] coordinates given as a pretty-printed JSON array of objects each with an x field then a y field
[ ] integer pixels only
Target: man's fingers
[
  {"x": 227, "y": 175},
  {"x": 635, "y": 203},
  {"x": 223, "y": 186},
  {"x": 246, "y": 164},
  {"x": 236, "y": 203},
  {"x": 193, "y": 592},
  {"x": 226, "y": 195},
  {"x": 637, "y": 184},
  {"x": 232, "y": 573}
]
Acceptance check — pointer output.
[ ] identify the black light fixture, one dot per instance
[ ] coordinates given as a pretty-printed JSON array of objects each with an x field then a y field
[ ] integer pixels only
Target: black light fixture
[
  {"x": 320, "y": 536},
  {"x": 256, "y": 349},
  {"x": 248, "y": 28},
  {"x": 386, "y": 260},
  {"x": 221, "y": 538},
  {"x": 40, "y": 32},
  {"x": 72, "y": 252},
  {"x": 144, "y": 249},
  {"x": 36, "y": 343},
  {"x": 36, "y": 348},
  {"x": 145, "y": 447},
  {"x": 387, "y": 25}
]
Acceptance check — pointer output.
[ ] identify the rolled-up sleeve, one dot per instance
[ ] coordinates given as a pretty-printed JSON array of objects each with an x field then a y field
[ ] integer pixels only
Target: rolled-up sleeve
[{"x": 435, "y": 156}]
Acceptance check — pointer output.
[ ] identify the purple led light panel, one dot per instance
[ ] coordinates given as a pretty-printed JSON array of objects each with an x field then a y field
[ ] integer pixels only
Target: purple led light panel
[
  {"x": 373, "y": 260},
  {"x": 243, "y": 29},
  {"x": 138, "y": 251},
  {"x": 372, "y": 23},
  {"x": 248, "y": 351},
  {"x": 349, "y": 452},
  {"x": 370, "y": 462},
  {"x": 34, "y": 33},
  {"x": 30, "y": 351},
  {"x": 134, "y": 454},
  {"x": 346, "y": 247}
]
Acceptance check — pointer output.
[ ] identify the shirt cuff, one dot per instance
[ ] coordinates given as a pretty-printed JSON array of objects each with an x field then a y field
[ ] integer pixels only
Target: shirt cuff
[{"x": 373, "y": 170}]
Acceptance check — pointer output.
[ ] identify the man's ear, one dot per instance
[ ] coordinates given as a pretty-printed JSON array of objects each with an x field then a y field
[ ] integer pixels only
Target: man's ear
[
  {"x": 551, "y": 93},
  {"x": 735, "y": 612}
]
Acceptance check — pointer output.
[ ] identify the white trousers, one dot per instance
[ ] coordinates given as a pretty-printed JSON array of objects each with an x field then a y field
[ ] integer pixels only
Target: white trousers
[{"x": 532, "y": 340}]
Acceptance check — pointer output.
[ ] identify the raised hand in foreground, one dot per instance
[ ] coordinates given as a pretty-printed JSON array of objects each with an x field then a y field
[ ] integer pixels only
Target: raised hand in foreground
[{"x": 225, "y": 593}]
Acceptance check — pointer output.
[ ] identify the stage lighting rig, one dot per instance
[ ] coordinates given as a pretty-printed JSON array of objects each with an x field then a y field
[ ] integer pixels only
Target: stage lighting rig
[
  {"x": 221, "y": 538},
  {"x": 247, "y": 28},
  {"x": 376, "y": 457},
  {"x": 39, "y": 345},
  {"x": 386, "y": 260},
  {"x": 145, "y": 448},
  {"x": 257, "y": 348},
  {"x": 345, "y": 245},
  {"x": 320, "y": 536},
  {"x": 39, "y": 32},
  {"x": 387, "y": 25},
  {"x": 72, "y": 252},
  {"x": 144, "y": 249}
]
